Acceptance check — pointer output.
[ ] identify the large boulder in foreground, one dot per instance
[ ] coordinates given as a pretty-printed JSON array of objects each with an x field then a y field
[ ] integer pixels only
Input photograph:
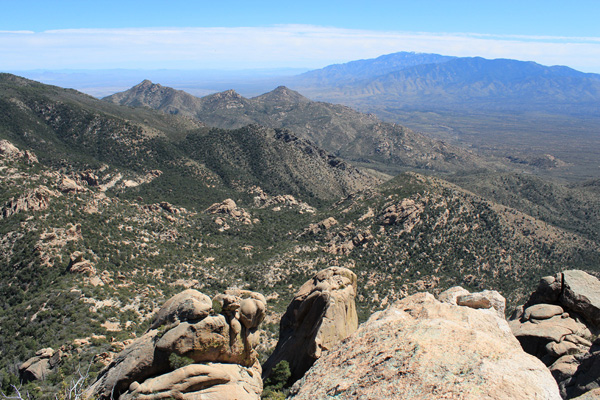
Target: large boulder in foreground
[
  {"x": 196, "y": 348},
  {"x": 422, "y": 348},
  {"x": 322, "y": 314}
]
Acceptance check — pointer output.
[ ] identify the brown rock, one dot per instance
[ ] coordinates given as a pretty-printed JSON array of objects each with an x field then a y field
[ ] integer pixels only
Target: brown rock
[
  {"x": 542, "y": 311},
  {"x": 450, "y": 296},
  {"x": 322, "y": 314},
  {"x": 38, "y": 367},
  {"x": 213, "y": 339},
  {"x": 420, "y": 348},
  {"x": 79, "y": 265},
  {"x": 486, "y": 299},
  {"x": 68, "y": 185}
]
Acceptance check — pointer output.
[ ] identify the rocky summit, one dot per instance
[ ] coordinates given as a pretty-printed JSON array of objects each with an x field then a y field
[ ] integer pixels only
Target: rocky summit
[{"x": 423, "y": 348}]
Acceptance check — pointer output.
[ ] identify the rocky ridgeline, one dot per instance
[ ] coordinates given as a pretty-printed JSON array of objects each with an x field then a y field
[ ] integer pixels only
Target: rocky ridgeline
[{"x": 560, "y": 324}]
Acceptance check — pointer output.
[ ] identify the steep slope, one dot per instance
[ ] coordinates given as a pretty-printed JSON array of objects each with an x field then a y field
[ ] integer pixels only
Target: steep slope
[{"x": 352, "y": 135}]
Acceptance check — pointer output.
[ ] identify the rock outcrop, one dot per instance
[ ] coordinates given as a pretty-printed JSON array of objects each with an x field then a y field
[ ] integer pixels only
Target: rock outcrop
[
  {"x": 322, "y": 314},
  {"x": 196, "y": 348},
  {"x": 9, "y": 151},
  {"x": 38, "y": 367},
  {"x": 229, "y": 208},
  {"x": 32, "y": 200},
  {"x": 423, "y": 348},
  {"x": 557, "y": 325}
]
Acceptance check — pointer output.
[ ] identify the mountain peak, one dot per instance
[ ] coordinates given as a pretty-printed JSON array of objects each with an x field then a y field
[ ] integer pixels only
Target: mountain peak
[{"x": 283, "y": 94}]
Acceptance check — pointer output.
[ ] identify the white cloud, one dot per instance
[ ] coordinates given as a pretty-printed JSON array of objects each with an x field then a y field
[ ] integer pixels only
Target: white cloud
[{"x": 269, "y": 47}]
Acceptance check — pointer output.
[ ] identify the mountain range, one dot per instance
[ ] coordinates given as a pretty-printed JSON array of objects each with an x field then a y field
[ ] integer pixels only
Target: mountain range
[{"x": 413, "y": 80}]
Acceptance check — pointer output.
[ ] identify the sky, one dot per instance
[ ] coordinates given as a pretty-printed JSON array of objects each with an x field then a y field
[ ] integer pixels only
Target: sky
[{"x": 176, "y": 34}]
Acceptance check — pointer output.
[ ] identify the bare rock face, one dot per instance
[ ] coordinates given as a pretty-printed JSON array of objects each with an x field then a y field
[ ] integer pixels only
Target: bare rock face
[
  {"x": 196, "y": 348},
  {"x": 421, "y": 348},
  {"x": 557, "y": 325},
  {"x": 321, "y": 315}
]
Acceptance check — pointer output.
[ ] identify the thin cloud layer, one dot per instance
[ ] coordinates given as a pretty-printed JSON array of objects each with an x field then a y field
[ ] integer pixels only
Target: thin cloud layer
[{"x": 269, "y": 47}]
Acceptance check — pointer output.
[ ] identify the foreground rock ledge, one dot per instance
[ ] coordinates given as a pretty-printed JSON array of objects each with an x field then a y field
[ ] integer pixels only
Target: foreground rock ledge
[{"x": 421, "y": 348}]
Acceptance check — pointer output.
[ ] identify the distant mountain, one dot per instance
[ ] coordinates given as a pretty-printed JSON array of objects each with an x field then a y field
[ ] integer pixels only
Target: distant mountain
[
  {"x": 340, "y": 74},
  {"x": 350, "y": 134},
  {"x": 434, "y": 82}
]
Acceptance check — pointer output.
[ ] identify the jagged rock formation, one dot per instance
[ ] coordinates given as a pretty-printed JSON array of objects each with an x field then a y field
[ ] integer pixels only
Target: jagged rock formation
[
  {"x": 423, "y": 348},
  {"x": 196, "y": 348},
  {"x": 322, "y": 314},
  {"x": 557, "y": 325}
]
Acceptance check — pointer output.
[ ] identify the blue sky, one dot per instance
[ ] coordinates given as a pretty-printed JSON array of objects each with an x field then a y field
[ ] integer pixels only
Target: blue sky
[{"x": 179, "y": 34}]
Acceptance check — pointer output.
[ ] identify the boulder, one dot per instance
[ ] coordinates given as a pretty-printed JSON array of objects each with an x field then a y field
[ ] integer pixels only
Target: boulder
[
  {"x": 215, "y": 381},
  {"x": 581, "y": 294},
  {"x": 38, "y": 367},
  {"x": 422, "y": 348},
  {"x": 322, "y": 313},
  {"x": 451, "y": 295},
  {"x": 196, "y": 348},
  {"x": 188, "y": 305},
  {"x": 542, "y": 311},
  {"x": 488, "y": 299},
  {"x": 79, "y": 265}
]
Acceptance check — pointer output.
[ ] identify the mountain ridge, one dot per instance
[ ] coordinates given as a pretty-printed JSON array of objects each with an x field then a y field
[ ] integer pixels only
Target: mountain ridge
[{"x": 339, "y": 129}]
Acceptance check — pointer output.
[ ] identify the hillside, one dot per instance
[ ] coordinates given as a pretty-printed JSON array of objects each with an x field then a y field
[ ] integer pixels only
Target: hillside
[
  {"x": 67, "y": 125},
  {"x": 347, "y": 133},
  {"x": 75, "y": 252}
]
